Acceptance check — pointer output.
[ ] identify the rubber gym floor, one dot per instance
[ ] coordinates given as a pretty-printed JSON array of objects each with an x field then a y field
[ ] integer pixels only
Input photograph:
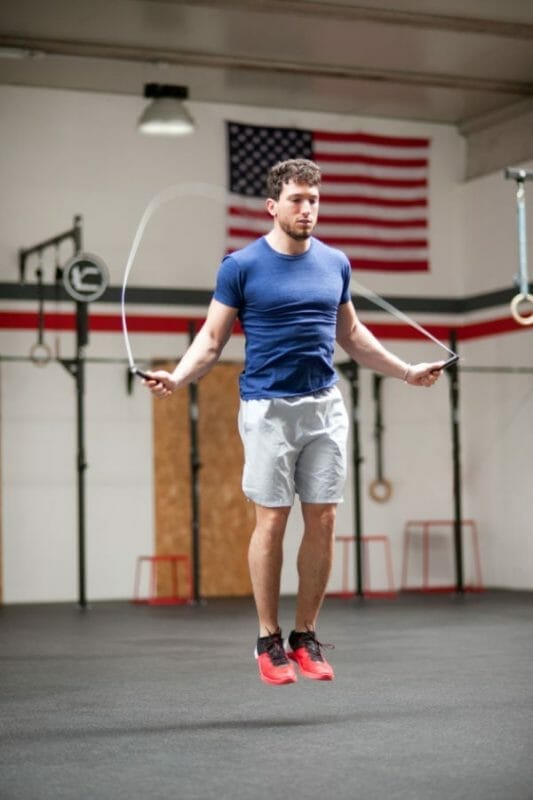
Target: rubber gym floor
[{"x": 433, "y": 700}]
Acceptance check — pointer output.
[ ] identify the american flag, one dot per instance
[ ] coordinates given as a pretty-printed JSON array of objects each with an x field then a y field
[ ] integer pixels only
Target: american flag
[{"x": 373, "y": 198}]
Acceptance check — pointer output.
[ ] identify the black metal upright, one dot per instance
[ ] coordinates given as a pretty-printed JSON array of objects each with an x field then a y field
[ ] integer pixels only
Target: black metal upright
[
  {"x": 82, "y": 320},
  {"x": 82, "y": 338},
  {"x": 453, "y": 374},
  {"x": 76, "y": 368},
  {"x": 195, "y": 481},
  {"x": 350, "y": 370}
]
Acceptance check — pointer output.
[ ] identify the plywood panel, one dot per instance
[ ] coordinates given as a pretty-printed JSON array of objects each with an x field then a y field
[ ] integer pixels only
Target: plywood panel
[
  {"x": 172, "y": 479},
  {"x": 1, "y": 513},
  {"x": 226, "y": 518}
]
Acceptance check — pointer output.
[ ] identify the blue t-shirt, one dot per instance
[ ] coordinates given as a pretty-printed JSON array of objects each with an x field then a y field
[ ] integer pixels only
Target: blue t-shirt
[{"x": 288, "y": 310}]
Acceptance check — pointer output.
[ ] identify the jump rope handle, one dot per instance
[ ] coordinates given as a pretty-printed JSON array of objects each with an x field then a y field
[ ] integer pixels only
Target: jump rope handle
[
  {"x": 141, "y": 374},
  {"x": 453, "y": 360}
]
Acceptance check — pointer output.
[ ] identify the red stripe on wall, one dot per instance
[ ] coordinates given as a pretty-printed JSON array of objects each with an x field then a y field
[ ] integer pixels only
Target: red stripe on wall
[
  {"x": 144, "y": 323},
  {"x": 103, "y": 323},
  {"x": 473, "y": 330}
]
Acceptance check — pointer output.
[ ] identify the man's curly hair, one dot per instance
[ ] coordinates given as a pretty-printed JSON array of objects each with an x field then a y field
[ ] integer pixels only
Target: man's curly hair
[{"x": 300, "y": 170}]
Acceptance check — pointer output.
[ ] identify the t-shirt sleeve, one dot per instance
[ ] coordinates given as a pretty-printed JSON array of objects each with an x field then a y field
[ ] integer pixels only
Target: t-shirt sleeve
[
  {"x": 346, "y": 278},
  {"x": 228, "y": 284}
]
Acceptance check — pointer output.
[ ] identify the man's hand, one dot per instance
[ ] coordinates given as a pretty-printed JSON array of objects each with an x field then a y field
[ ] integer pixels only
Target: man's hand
[
  {"x": 424, "y": 374},
  {"x": 160, "y": 383}
]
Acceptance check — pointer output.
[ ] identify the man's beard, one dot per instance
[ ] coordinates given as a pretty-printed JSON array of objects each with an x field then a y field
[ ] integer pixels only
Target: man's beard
[{"x": 295, "y": 233}]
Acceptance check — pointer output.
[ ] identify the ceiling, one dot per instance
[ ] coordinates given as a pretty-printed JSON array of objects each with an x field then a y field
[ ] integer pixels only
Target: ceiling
[{"x": 462, "y": 62}]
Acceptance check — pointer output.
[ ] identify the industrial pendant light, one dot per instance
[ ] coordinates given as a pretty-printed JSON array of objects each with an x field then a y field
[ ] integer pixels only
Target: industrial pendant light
[{"x": 165, "y": 115}]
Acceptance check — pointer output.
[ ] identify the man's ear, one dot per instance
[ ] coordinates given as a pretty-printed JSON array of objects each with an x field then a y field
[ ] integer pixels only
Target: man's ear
[{"x": 271, "y": 206}]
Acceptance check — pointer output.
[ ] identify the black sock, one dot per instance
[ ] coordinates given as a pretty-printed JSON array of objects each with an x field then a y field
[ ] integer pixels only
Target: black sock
[
  {"x": 296, "y": 636},
  {"x": 269, "y": 635}
]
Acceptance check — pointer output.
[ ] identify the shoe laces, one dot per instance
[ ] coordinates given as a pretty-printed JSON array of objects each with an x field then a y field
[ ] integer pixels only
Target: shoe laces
[
  {"x": 276, "y": 651},
  {"x": 313, "y": 646}
]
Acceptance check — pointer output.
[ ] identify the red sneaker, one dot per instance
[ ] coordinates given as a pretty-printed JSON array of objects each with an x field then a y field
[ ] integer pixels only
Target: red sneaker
[
  {"x": 306, "y": 650},
  {"x": 274, "y": 666}
]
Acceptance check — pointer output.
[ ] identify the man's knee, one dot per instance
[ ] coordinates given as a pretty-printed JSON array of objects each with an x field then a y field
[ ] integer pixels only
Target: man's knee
[
  {"x": 320, "y": 518},
  {"x": 272, "y": 520}
]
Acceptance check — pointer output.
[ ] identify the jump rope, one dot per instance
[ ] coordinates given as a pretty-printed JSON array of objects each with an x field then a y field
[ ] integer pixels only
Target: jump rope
[
  {"x": 206, "y": 190},
  {"x": 173, "y": 192}
]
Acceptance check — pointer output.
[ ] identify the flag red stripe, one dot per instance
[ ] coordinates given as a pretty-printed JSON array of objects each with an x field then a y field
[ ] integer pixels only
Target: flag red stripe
[
  {"x": 360, "y": 199},
  {"x": 356, "y": 241},
  {"x": 367, "y": 241},
  {"x": 391, "y": 265},
  {"x": 373, "y": 222},
  {"x": 368, "y": 138},
  {"x": 244, "y": 233},
  {"x": 346, "y": 158},
  {"x": 366, "y": 180},
  {"x": 252, "y": 213}
]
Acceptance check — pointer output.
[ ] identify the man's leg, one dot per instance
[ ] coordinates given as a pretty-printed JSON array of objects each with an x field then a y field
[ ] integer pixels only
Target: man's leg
[
  {"x": 265, "y": 557},
  {"x": 315, "y": 559},
  {"x": 314, "y": 566}
]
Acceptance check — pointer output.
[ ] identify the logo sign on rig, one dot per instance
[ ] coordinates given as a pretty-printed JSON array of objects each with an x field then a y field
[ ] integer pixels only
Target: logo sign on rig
[{"x": 85, "y": 277}]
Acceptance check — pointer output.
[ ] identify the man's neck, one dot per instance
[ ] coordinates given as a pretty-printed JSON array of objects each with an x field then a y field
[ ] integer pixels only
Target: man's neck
[{"x": 285, "y": 244}]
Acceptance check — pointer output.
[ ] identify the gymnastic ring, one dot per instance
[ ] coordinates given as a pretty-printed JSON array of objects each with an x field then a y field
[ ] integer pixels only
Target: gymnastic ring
[
  {"x": 380, "y": 490},
  {"x": 40, "y": 354},
  {"x": 515, "y": 302}
]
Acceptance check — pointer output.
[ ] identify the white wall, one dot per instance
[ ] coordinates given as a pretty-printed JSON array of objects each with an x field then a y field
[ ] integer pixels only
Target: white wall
[
  {"x": 64, "y": 153},
  {"x": 498, "y": 441},
  {"x": 490, "y": 229},
  {"x": 498, "y": 408}
]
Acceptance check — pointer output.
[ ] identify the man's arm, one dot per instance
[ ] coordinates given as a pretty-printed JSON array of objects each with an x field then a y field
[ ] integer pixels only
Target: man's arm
[
  {"x": 200, "y": 356},
  {"x": 361, "y": 345}
]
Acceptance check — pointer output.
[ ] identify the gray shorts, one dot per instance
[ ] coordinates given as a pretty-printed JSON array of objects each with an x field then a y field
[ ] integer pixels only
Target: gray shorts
[{"x": 294, "y": 445}]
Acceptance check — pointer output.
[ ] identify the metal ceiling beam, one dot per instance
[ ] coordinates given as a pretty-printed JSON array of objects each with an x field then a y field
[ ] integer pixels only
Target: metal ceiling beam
[
  {"x": 84, "y": 49},
  {"x": 383, "y": 16},
  {"x": 498, "y": 139}
]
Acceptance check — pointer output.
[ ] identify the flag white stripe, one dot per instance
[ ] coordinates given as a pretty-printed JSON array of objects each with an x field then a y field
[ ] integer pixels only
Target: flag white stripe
[
  {"x": 240, "y": 200},
  {"x": 370, "y": 232},
  {"x": 375, "y": 212},
  {"x": 259, "y": 226},
  {"x": 366, "y": 190},
  {"x": 386, "y": 253},
  {"x": 371, "y": 150},
  {"x": 331, "y": 207}
]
